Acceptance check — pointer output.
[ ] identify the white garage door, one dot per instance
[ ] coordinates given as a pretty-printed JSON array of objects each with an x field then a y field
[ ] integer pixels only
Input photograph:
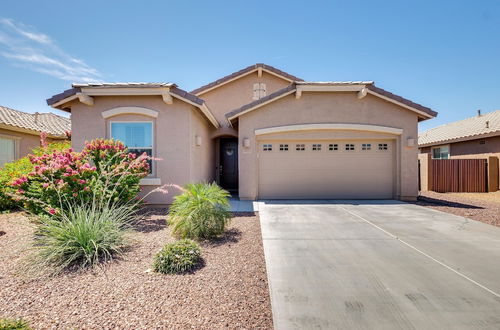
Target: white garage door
[{"x": 343, "y": 169}]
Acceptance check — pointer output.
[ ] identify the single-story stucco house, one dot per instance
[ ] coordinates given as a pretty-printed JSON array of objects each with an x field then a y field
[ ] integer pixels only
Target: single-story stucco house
[
  {"x": 261, "y": 133},
  {"x": 474, "y": 137},
  {"x": 20, "y": 132}
]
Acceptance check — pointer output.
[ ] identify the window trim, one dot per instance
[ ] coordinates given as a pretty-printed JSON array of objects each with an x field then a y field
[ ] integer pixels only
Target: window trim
[
  {"x": 333, "y": 147},
  {"x": 300, "y": 147},
  {"x": 284, "y": 146},
  {"x": 267, "y": 147},
  {"x": 367, "y": 146},
  {"x": 351, "y": 145},
  {"x": 16, "y": 140},
  {"x": 382, "y": 144},
  {"x": 153, "y": 144},
  {"x": 438, "y": 147}
]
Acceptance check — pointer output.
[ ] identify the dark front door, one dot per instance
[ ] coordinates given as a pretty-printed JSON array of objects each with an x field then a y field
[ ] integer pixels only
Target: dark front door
[{"x": 228, "y": 166}]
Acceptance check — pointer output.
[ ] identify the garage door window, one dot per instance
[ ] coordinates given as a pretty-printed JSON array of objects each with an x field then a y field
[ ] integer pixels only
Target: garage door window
[
  {"x": 316, "y": 147},
  {"x": 300, "y": 147},
  {"x": 333, "y": 147},
  {"x": 366, "y": 146},
  {"x": 7, "y": 150},
  {"x": 267, "y": 147},
  {"x": 382, "y": 146},
  {"x": 349, "y": 147},
  {"x": 283, "y": 147}
]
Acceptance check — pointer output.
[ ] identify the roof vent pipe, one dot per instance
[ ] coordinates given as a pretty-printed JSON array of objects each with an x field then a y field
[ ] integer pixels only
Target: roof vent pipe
[
  {"x": 36, "y": 117},
  {"x": 479, "y": 112},
  {"x": 487, "y": 124}
]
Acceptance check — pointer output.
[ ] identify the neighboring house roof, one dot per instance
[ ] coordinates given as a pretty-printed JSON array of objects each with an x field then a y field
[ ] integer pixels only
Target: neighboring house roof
[
  {"x": 244, "y": 72},
  {"x": 52, "y": 124},
  {"x": 362, "y": 87},
  {"x": 130, "y": 88},
  {"x": 484, "y": 125}
]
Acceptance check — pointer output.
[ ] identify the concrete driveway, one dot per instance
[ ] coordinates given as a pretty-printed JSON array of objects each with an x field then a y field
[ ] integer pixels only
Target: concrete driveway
[{"x": 379, "y": 265}]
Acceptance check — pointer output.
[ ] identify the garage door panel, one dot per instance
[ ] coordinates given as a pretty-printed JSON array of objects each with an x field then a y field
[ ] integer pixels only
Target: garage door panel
[{"x": 340, "y": 174}]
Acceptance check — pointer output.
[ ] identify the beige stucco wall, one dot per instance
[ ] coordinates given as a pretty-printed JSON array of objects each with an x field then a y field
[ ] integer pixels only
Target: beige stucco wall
[
  {"x": 25, "y": 142},
  {"x": 323, "y": 107},
  {"x": 203, "y": 156},
  {"x": 239, "y": 92},
  {"x": 174, "y": 130}
]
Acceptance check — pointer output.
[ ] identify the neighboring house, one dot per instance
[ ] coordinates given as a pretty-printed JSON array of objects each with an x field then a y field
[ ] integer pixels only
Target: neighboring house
[
  {"x": 20, "y": 131},
  {"x": 475, "y": 137},
  {"x": 260, "y": 132}
]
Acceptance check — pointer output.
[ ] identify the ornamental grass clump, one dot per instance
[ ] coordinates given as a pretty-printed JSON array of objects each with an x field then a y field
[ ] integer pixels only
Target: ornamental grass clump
[
  {"x": 81, "y": 236},
  {"x": 200, "y": 212},
  {"x": 11, "y": 324},
  {"x": 178, "y": 257}
]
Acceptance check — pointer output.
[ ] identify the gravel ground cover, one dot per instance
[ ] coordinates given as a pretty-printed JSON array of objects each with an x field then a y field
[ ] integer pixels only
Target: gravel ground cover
[
  {"x": 229, "y": 291},
  {"x": 480, "y": 207}
]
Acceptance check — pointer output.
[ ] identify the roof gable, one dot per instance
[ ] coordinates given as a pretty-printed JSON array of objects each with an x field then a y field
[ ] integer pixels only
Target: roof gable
[
  {"x": 468, "y": 129},
  {"x": 361, "y": 87},
  {"x": 248, "y": 70},
  {"x": 84, "y": 93}
]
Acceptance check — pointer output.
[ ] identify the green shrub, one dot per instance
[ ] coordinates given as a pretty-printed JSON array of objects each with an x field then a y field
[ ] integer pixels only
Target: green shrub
[
  {"x": 178, "y": 257},
  {"x": 200, "y": 212},
  {"x": 9, "y": 172},
  {"x": 9, "y": 324},
  {"x": 19, "y": 168},
  {"x": 81, "y": 236}
]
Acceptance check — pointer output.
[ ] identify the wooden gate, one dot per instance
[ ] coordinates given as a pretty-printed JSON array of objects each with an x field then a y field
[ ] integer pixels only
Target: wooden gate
[{"x": 459, "y": 175}]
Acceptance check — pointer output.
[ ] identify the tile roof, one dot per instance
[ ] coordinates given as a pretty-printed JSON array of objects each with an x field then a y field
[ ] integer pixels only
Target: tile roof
[
  {"x": 242, "y": 72},
  {"x": 78, "y": 87},
  {"x": 467, "y": 129},
  {"x": 40, "y": 122},
  {"x": 333, "y": 83},
  {"x": 126, "y": 84},
  {"x": 369, "y": 84}
]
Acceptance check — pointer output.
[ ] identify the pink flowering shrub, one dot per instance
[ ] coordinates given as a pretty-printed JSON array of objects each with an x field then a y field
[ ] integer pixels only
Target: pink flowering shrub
[{"x": 104, "y": 169}]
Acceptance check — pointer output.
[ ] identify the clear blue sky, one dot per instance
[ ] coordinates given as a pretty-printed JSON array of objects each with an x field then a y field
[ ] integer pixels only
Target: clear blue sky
[{"x": 442, "y": 54}]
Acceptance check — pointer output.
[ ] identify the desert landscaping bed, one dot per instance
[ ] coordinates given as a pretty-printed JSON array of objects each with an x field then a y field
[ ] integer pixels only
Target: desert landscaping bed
[
  {"x": 229, "y": 291},
  {"x": 484, "y": 207}
]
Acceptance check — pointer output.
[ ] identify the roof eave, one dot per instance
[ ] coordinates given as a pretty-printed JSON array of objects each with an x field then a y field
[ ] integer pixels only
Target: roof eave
[
  {"x": 77, "y": 93},
  {"x": 30, "y": 131},
  {"x": 460, "y": 139}
]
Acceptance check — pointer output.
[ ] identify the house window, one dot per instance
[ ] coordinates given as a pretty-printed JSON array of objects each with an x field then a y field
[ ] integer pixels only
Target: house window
[
  {"x": 333, "y": 147},
  {"x": 283, "y": 147},
  {"x": 267, "y": 147},
  {"x": 482, "y": 142},
  {"x": 366, "y": 146},
  {"x": 259, "y": 91},
  {"x": 349, "y": 147},
  {"x": 137, "y": 137},
  {"x": 7, "y": 150},
  {"x": 300, "y": 147},
  {"x": 382, "y": 146},
  {"x": 316, "y": 147},
  {"x": 441, "y": 152}
]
